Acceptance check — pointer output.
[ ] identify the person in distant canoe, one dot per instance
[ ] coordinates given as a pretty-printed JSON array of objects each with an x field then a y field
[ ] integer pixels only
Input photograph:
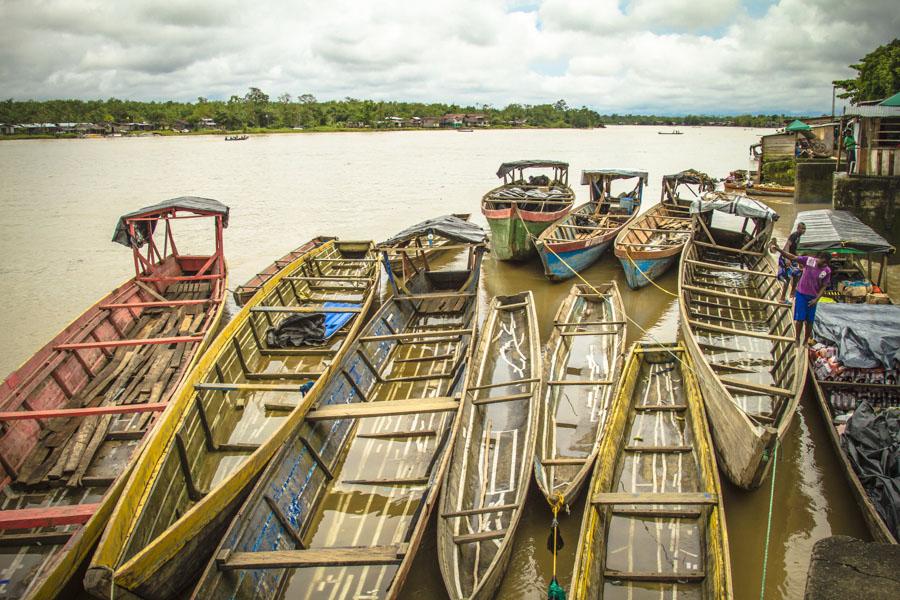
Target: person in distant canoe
[
  {"x": 788, "y": 270},
  {"x": 813, "y": 283}
]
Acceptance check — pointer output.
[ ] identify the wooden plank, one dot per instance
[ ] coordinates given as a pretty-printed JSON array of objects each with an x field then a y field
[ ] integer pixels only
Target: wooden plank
[
  {"x": 43, "y": 538},
  {"x": 756, "y": 387},
  {"x": 135, "y": 342},
  {"x": 574, "y": 333},
  {"x": 27, "y": 518},
  {"x": 515, "y": 306},
  {"x": 563, "y": 461},
  {"x": 586, "y": 323},
  {"x": 739, "y": 332},
  {"x": 506, "y": 398},
  {"x": 661, "y": 449},
  {"x": 361, "y": 410},
  {"x": 650, "y": 498},
  {"x": 150, "y": 290},
  {"x": 159, "y": 304},
  {"x": 304, "y": 309},
  {"x": 327, "y": 278},
  {"x": 481, "y": 536},
  {"x": 387, "y": 481},
  {"x": 112, "y": 409},
  {"x": 653, "y": 576},
  {"x": 651, "y": 513},
  {"x": 709, "y": 292},
  {"x": 661, "y": 407},
  {"x": 312, "y": 557},
  {"x": 468, "y": 512},
  {"x": 727, "y": 249},
  {"x": 252, "y": 387},
  {"x": 399, "y": 435},
  {"x": 435, "y": 296},
  {"x": 718, "y": 267},
  {"x": 504, "y": 384},
  {"x": 415, "y": 334},
  {"x": 581, "y": 382}
]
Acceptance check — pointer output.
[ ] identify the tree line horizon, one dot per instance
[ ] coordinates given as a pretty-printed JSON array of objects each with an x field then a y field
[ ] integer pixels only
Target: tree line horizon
[{"x": 257, "y": 110}]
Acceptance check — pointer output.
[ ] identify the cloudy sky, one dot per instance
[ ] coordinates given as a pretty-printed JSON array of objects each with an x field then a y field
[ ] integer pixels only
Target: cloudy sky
[{"x": 663, "y": 56}]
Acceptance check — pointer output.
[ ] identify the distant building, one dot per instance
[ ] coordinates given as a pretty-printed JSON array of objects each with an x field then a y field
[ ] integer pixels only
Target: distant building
[
  {"x": 395, "y": 121},
  {"x": 431, "y": 121},
  {"x": 207, "y": 123},
  {"x": 876, "y": 129},
  {"x": 464, "y": 119},
  {"x": 7, "y": 129}
]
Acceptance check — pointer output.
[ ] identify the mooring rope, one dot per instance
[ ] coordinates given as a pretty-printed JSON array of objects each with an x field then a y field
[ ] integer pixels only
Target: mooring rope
[
  {"x": 647, "y": 277},
  {"x": 554, "y": 590},
  {"x": 762, "y": 587}
]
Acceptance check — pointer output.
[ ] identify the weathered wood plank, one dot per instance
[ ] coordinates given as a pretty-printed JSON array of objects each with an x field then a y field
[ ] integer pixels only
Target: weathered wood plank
[
  {"x": 406, "y": 406},
  {"x": 312, "y": 557},
  {"x": 649, "y": 498}
]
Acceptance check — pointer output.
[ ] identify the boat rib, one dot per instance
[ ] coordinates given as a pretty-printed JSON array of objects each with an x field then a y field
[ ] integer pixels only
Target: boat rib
[
  {"x": 233, "y": 412},
  {"x": 580, "y": 375},
  {"x": 482, "y": 500},
  {"x": 654, "y": 522}
]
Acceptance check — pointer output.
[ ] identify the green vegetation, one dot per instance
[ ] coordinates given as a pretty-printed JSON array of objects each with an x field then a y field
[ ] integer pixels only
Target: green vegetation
[
  {"x": 878, "y": 75},
  {"x": 257, "y": 111},
  {"x": 779, "y": 171}
]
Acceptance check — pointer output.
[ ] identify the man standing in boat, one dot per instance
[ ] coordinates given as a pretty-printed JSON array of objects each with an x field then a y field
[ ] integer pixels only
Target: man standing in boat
[
  {"x": 813, "y": 283},
  {"x": 788, "y": 270}
]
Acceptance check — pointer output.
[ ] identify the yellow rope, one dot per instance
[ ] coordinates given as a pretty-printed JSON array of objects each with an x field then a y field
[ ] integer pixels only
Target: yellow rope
[
  {"x": 555, "y": 505},
  {"x": 647, "y": 277}
]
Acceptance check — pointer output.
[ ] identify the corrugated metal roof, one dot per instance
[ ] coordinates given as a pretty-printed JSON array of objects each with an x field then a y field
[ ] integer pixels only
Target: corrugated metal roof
[{"x": 878, "y": 110}]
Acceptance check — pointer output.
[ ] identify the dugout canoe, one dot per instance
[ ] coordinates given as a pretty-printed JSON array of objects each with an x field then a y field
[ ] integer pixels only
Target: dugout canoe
[
  {"x": 519, "y": 210},
  {"x": 426, "y": 248},
  {"x": 654, "y": 524},
  {"x": 490, "y": 468},
  {"x": 579, "y": 239},
  {"x": 740, "y": 337},
  {"x": 78, "y": 412},
  {"x": 234, "y": 410},
  {"x": 243, "y": 293},
  {"x": 342, "y": 508},
  {"x": 649, "y": 244},
  {"x": 582, "y": 363}
]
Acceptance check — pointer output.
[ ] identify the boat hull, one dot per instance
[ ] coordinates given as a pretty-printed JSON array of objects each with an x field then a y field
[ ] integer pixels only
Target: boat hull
[
  {"x": 638, "y": 270},
  {"x": 511, "y": 236},
  {"x": 563, "y": 264}
]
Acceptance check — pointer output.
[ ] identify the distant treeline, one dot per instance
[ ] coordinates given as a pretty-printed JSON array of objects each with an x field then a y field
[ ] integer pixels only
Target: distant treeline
[{"x": 257, "y": 110}]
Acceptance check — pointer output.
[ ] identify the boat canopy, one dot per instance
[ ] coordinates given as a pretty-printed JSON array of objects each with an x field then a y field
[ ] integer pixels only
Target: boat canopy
[
  {"x": 450, "y": 227},
  {"x": 733, "y": 204},
  {"x": 839, "y": 231},
  {"x": 611, "y": 174},
  {"x": 797, "y": 125},
  {"x": 692, "y": 177},
  {"x": 865, "y": 334},
  {"x": 508, "y": 167},
  {"x": 145, "y": 219}
]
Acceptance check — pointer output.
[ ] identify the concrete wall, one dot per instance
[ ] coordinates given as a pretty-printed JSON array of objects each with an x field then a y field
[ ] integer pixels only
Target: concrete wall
[
  {"x": 813, "y": 180},
  {"x": 872, "y": 199}
]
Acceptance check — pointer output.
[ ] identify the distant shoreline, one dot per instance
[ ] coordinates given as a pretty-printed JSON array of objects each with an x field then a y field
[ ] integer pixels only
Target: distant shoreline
[{"x": 254, "y": 131}]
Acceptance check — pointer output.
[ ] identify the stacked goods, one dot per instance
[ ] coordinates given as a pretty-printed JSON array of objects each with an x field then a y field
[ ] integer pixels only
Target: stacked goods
[
  {"x": 827, "y": 366},
  {"x": 854, "y": 291}
]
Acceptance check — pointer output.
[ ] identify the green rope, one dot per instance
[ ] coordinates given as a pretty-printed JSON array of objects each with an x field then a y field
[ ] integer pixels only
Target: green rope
[{"x": 762, "y": 588}]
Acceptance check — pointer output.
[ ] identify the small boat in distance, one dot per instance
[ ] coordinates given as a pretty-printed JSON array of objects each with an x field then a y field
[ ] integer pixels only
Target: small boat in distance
[
  {"x": 236, "y": 138},
  {"x": 490, "y": 468},
  {"x": 582, "y": 363},
  {"x": 673, "y": 132},
  {"x": 78, "y": 414},
  {"x": 465, "y": 129},
  {"x": 579, "y": 239},
  {"x": 654, "y": 524},
  {"x": 648, "y": 245},
  {"x": 520, "y": 210},
  {"x": 738, "y": 333},
  {"x": 343, "y": 506},
  {"x": 237, "y": 406}
]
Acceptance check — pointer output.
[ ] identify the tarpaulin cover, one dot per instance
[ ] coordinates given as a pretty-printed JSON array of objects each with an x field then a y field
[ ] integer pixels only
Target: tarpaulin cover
[
  {"x": 836, "y": 229},
  {"x": 866, "y": 335},
  {"x": 692, "y": 177},
  {"x": 508, "y": 167},
  {"x": 309, "y": 329},
  {"x": 733, "y": 204},
  {"x": 450, "y": 227},
  {"x": 144, "y": 229},
  {"x": 613, "y": 174},
  {"x": 872, "y": 443},
  {"x": 797, "y": 125}
]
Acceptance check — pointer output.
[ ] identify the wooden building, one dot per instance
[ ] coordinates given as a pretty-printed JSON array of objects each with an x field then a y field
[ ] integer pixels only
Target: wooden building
[{"x": 876, "y": 129}]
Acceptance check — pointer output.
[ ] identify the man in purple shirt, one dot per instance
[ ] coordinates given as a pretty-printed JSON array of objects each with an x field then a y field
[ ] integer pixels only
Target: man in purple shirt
[{"x": 813, "y": 283}]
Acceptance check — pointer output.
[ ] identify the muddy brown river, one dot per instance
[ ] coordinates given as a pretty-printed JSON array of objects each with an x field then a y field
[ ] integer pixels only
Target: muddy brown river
[{"x": 60, "y": 201}]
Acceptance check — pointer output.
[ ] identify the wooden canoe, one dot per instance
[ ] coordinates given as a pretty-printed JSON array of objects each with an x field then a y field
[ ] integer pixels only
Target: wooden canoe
[
  {"x": 760, "y": 189},
  {"x": 243, "y": 293},
  {"x": 648, "y": 245},
  {"x": 878, "y": 529},
  {"x": 515, "y": 216},
  {"x": 343, "y": 506},
  {"x": 582, "y": 362},
  {"x": 426, "y": 249},
  {"x": 490, "y": 468},
  {"x": 654, "y": 524},
  {"x": 579, "y": 239},
  {"x": 78, "y": 413},
  {"x": 741, "y": 339},
  {"x": 233, "y": 412}
]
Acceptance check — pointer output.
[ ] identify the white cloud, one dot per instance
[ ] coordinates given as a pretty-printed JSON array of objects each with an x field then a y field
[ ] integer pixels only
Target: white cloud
[{"x": 653, "y": 55}]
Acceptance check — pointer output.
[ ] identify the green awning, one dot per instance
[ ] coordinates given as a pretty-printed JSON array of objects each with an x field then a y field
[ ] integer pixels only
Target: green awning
[
  {"x": 797, "y": 126},
  {"x": 892, "y": 101}
]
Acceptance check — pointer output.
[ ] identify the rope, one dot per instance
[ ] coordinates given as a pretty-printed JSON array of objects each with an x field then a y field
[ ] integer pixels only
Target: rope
[
  {"x": 554, "y": 590},
  {"x": 762, "y": 588},
  {"x": 647, "y": 277}
]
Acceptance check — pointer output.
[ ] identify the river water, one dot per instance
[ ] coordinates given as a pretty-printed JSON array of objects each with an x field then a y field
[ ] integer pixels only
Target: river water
[{"x": 60, "y": 200}]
